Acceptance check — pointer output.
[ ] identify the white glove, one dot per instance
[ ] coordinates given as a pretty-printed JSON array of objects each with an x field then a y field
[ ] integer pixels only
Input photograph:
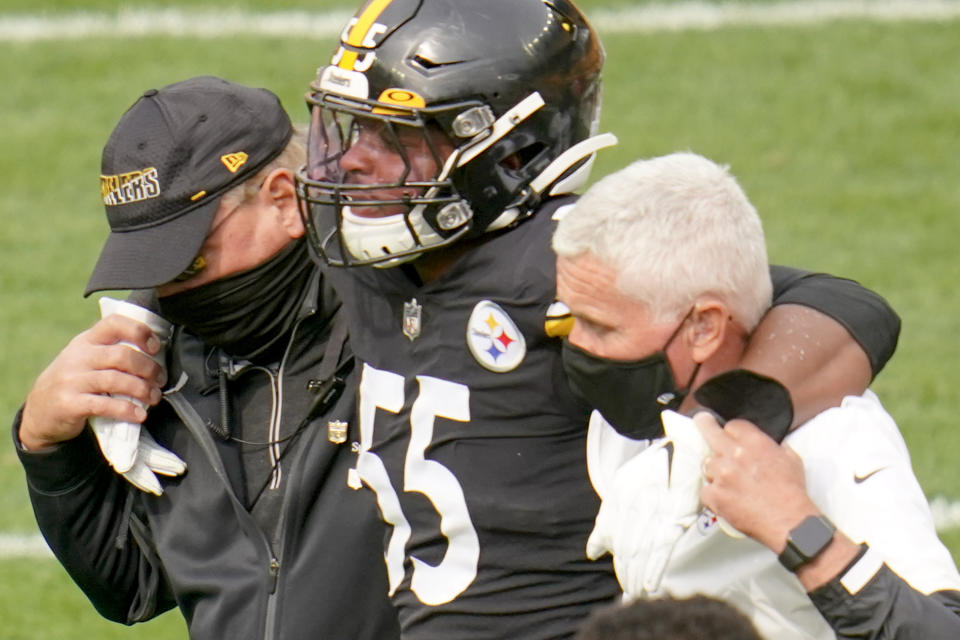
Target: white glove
[
  {"x": 132, "y": 452},
  {"x": 152, "y": 459},
  {"x": 653, "y": 501}
]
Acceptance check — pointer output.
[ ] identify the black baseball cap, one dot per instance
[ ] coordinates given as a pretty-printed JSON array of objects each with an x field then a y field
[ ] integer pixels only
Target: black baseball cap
[{"x": 165, "y": 166}]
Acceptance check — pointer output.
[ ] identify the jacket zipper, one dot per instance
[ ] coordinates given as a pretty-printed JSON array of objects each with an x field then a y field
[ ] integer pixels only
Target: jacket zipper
[
  {"x": 273, "y": 433},
  {"x": 196, "y": 425},
  {"x": 273, "y": 430},
  {"x": 274, "y": 567},
  {"x": 198, "y": 428}
]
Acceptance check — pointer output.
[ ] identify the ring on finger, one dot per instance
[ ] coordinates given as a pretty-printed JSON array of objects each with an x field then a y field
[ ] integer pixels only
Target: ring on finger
[{"x": 703, "y": 469}]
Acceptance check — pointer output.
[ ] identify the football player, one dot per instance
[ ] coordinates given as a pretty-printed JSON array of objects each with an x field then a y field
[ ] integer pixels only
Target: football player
[{"x": 446, "y": 137}]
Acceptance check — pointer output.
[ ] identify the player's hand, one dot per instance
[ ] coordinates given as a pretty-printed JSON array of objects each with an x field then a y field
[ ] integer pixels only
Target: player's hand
[
  {"x": 75, "y": 386},
  {"x": 756, "y": 485}
]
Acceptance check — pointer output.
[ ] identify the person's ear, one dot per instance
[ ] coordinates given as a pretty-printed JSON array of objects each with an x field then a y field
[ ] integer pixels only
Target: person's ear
[
  {"x": 280, "y": 192},
  {"x": 707, "y": 328}
]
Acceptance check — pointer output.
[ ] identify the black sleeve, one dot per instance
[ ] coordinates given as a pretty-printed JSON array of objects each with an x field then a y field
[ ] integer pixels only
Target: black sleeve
[
  {"x": 888, "y": 608},
  {"x": 85, "y": 510},
  {"x": 867, "y": 316}
]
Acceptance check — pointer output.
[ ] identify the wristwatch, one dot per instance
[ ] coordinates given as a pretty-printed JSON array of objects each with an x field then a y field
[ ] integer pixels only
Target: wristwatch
[{"x": 806, "y": 541}]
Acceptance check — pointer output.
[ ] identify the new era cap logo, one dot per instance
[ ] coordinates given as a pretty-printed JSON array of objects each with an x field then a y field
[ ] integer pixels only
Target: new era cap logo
[{"x": 233, "y": 161}]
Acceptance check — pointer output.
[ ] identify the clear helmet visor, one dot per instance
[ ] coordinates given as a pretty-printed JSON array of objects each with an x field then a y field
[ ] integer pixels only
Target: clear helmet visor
[{"x": 373, "y": 186}]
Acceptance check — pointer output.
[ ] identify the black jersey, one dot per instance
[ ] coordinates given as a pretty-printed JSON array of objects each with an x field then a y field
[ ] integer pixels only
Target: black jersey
[
  {"x": 474, "y": 444},
  {"x": 476, "y": 447}
]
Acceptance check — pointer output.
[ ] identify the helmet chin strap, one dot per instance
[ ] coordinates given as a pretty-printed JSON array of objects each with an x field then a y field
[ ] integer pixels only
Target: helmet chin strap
[
  {"x": 369, "y": 238},
  {"x": 549, "y": 177}
]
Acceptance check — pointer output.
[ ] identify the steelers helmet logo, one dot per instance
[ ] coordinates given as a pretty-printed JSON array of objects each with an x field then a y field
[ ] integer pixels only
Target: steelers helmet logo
[{"x": 494, "y": 339}]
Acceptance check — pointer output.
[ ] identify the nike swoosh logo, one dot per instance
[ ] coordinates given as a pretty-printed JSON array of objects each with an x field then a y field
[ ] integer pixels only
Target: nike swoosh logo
[{"x": 858, "y": 478}]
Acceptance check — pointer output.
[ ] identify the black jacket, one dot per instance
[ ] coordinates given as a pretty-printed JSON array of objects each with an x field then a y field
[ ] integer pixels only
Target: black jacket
[
  {"x": 886, "y": 607},
  {"x": 198, "y": 547}
]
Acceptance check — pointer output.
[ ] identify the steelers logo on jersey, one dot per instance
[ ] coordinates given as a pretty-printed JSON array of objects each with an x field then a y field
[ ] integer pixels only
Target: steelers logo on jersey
[
  {"x": 707, "y": 521},
  {"x": 494, "y": 339}
]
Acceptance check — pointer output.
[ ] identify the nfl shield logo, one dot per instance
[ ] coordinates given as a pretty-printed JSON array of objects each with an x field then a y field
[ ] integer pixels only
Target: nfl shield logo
[
  {"x": 337, "y": 431},
  {"x": 411, "y": 319}
]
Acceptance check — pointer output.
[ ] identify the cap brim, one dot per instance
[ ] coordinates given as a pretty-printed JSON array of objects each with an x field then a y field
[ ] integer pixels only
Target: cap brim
[{"x": 145, "y": 258}]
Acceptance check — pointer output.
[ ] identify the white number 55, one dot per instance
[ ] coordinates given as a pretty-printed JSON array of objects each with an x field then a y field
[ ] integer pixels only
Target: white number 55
[{"x": 433, "y": 585}]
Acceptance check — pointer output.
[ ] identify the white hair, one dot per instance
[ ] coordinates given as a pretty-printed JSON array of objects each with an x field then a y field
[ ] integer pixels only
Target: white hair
[{"x": 674, "y": 228}]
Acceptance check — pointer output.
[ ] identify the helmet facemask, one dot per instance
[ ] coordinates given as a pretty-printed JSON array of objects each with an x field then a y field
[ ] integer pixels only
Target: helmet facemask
[{"x": 376, "y": 186}]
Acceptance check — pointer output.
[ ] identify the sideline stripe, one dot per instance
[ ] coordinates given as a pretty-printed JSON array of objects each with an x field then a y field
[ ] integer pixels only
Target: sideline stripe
[
  {"x": 946, "y": 517},
  {"x": 23, "y": 545},
  {"x": 946, "y": 513},
  {"x": 176, "y": 23},
  {"x": 705, "y": 16},
  {"x": 208, "y": 24}
]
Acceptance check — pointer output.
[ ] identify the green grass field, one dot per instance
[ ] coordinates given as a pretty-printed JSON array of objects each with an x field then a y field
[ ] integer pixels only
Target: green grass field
[{"x": 846, "y": 136}]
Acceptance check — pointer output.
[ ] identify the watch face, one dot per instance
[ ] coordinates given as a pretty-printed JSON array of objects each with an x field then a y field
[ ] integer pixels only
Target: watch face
[{"x": 806, "y": 541}]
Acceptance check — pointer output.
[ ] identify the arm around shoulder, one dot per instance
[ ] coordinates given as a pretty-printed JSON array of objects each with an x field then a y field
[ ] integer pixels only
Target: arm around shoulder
[
  {"x": 866, "y": 316},
  {"x": 824, "y": 338}
]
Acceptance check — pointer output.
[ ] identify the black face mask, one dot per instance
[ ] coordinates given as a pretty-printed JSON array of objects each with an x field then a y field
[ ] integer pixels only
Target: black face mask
[
  {"x": 630, "y": 394},
  {"x": 249, "y": 312}
]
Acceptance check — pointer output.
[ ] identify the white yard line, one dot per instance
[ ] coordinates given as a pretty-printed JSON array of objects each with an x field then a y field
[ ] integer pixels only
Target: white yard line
[
  {"x": 23, "y": 545},
  {"x": 218, "y": 23},
  {"x": 705, "y": 16},
  {"x": 178, "y": 23},
  {"x": 946, "y": 513}
]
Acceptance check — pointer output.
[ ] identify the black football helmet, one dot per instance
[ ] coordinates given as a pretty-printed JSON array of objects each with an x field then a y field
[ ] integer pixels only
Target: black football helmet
[{"x": 502, "y": 95}]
